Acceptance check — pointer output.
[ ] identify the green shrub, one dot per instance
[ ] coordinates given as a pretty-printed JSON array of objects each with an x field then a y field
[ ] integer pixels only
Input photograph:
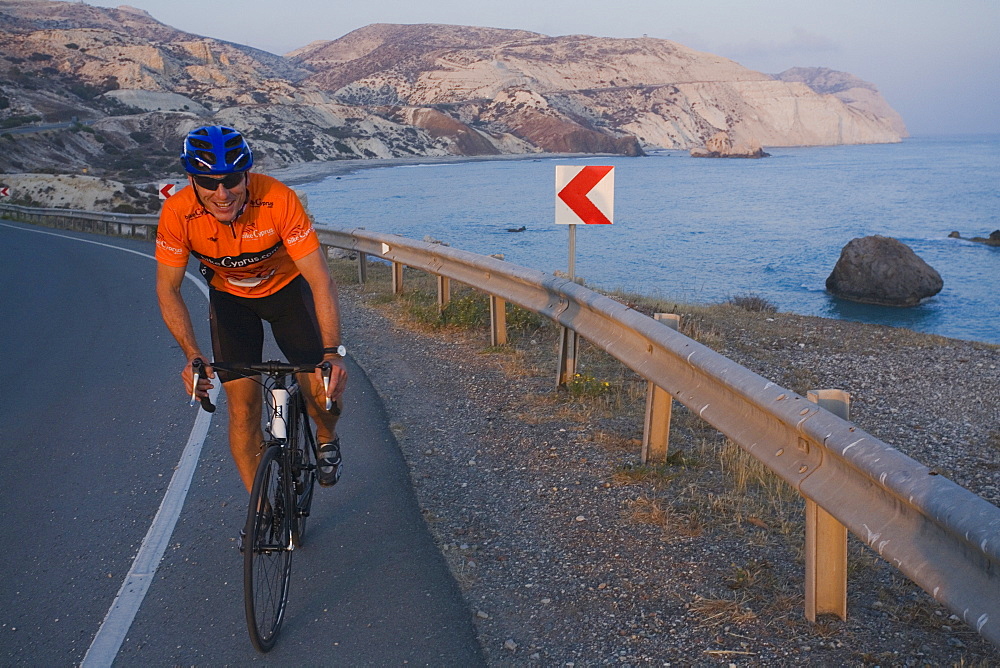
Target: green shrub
[
  {"x": 467, "y": 312},
  {"x": 24, "y": 119},
  {"x": 522, "y": 320},
  {"x": 752, "y": 302},
  {"x": 421, "y": 307},
  {"x": 585, "y": 385}
]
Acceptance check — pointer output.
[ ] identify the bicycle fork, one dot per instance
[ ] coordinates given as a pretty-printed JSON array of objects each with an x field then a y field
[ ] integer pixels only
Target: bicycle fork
[{"x": 277, "y": 409}]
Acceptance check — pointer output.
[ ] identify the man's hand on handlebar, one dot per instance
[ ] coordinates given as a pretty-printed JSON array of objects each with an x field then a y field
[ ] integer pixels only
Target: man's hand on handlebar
[
  {"x": 196, "y": 377},
  {"x": 333, "y": 373}
]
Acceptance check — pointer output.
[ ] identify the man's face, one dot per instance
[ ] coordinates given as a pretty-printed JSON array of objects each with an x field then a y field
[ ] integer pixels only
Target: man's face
[{"x": 221, "y": 201}]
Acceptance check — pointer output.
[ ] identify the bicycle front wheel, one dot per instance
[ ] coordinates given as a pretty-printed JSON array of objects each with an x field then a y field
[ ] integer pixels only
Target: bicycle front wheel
[
  {"x": 303, "y": 455},
  {"x": 267, "y": 559}
]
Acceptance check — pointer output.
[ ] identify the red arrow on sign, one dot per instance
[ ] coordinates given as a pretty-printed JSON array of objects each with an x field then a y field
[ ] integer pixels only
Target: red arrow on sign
[
  {"x": 166, "y": 190},
  {"x": 4, "y": 191},
  {"x": 575, "y": 194}
]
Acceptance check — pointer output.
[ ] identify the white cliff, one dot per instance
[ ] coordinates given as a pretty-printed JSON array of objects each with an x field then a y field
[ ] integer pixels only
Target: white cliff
[{"x": 392, "y": 91}]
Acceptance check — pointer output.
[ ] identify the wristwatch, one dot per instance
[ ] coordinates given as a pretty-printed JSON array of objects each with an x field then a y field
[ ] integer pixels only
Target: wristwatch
[{"x": 340, "y": 351}]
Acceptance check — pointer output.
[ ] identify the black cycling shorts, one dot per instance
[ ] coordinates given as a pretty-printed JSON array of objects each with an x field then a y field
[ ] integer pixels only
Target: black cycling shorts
[{"x": 237, "y": 325}]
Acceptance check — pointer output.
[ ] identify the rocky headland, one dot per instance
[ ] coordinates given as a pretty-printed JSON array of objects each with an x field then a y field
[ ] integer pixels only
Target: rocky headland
[{"x": 721, "y": 146}]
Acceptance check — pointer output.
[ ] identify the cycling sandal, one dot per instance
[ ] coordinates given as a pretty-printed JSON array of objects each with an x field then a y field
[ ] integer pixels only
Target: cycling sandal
[{"x": 328, "y": 463}]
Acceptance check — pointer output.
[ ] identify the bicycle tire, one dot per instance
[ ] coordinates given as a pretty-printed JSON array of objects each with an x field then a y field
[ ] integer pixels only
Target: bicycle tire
[
  {"x": 302, "y": 448},
  {"x": 267, "y": 559}
]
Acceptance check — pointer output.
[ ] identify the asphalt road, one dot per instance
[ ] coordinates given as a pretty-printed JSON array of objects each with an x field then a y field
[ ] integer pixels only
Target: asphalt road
[
  {"x": 93, "y": 425},
  {"x": 28, "y": 129}
]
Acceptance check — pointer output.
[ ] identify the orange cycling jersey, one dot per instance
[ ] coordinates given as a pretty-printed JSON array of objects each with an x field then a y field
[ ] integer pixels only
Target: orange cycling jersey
[{"x": 255, "y": 255}]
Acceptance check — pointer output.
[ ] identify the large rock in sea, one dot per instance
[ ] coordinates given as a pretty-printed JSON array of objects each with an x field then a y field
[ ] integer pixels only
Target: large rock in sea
[
  {"x": 720, "y": 145},
  {"x": 885, "y": 271}
]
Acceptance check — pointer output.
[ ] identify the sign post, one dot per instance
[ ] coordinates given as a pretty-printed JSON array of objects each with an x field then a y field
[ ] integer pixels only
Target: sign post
[{"x": 583, "y": 195}]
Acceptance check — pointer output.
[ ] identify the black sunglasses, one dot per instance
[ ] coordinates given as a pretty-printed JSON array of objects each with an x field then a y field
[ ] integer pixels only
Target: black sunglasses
[{"x": 229, "y": 181}]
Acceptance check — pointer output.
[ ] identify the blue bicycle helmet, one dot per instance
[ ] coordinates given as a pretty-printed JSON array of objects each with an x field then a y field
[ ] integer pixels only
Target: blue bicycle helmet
[{"x": 214, "y": 150}]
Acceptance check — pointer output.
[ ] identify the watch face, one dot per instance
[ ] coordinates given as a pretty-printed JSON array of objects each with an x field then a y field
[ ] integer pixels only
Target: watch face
[{"x": 342, "y": 351}]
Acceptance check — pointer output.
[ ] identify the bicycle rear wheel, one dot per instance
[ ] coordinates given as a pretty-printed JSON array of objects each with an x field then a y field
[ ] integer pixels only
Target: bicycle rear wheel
[
  {"x": 303, "y": 445},
  {"x": 267, "y": 559}
]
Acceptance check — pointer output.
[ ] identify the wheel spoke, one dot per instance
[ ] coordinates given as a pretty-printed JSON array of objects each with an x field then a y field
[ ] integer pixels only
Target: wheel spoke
[{"x": 267, "y": 561}]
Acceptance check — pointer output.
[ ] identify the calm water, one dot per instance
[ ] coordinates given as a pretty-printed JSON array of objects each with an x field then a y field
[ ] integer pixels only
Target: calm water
[{"x": 706, "y": 230}]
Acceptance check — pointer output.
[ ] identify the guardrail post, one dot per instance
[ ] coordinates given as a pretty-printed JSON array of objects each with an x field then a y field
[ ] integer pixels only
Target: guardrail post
[
  {"x": 444, "y": 292},
  {"x": 498, "y": 321},
  {"x": 397, "y": 278},
  {"x": 826, "y": 538},
  {"x": 362, "y": 268},
  {"x": 656, "y": 432},
  {"x": 568, "y": 343}
]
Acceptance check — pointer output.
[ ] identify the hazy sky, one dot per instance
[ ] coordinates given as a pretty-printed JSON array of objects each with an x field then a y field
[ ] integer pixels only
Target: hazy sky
[{"x": 937, "y": 62}]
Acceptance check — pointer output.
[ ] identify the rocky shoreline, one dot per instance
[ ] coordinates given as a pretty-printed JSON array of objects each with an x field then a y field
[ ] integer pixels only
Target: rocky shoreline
[
  {"x": 569, "y": 553},
  {"x": 93, "y": 193},
  {"x": 992, "y": 240}
]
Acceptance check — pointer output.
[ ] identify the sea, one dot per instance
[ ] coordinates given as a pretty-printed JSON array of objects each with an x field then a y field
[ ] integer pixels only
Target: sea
[{"x": 708, "y": 230}]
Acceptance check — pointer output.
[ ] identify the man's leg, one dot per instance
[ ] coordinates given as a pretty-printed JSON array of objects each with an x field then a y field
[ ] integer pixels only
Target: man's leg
[
  {"x": 245, "y": 434},
  {"x": 328, "y": 461},
  {"x": 238, "y": 338},
  {"x": 326, "y": 422},
  {"x": 297, "y": 333}
]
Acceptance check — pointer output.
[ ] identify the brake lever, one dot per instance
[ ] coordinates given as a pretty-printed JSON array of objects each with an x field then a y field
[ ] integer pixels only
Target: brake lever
[
  {"x": 197, "y": 367},
  {"x": 327, "y": 368}
]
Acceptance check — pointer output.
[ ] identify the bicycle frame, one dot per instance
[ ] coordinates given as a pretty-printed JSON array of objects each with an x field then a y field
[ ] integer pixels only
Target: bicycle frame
[
  {"x": 277, "y": 409},
  {"x": 281, "y": 495}
]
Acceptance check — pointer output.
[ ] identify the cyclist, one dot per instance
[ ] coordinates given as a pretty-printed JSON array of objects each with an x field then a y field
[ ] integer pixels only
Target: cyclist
[{"x": 263, "y": 262}]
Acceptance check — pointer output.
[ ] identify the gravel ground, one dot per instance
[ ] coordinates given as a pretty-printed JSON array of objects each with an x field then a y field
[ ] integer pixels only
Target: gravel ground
[{"x": 569, "y": 555}]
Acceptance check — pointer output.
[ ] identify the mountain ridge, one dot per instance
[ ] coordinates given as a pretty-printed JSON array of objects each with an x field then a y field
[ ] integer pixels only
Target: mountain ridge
[{"x": 389, "y": 90}]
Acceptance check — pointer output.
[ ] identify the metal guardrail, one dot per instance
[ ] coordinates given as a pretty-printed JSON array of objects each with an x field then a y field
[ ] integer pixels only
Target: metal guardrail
[
  {"x": 941, "y": 536},
  {"x": 114, "y": 224}
]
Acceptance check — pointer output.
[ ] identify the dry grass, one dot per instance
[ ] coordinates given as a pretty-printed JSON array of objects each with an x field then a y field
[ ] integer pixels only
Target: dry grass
[
  {"x": 719, "y": 611},
  {"x": 647, "y": 510},
  {"x": 711, "y": 478}
]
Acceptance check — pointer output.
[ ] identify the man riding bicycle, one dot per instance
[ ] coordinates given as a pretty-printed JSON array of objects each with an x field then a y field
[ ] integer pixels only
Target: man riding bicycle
[{"x": 263, "y": 261}]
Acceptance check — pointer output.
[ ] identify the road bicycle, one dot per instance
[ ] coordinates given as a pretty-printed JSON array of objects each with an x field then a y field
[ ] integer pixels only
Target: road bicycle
[{"x": 282, "y": 491}]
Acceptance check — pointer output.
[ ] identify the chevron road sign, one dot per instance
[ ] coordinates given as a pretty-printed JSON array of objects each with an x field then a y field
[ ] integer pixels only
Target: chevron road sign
[{"x": 585, "y": 195}]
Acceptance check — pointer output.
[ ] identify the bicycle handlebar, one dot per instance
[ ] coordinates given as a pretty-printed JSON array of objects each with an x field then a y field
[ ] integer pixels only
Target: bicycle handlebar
[{"x": 271, "y": 368}]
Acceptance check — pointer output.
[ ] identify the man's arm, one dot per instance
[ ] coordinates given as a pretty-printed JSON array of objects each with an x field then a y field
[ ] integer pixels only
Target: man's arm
[
  {"x": 324, "y": 289},
  {"x": 178, "y": 319},
  {"x": 325, "y": 297}
]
